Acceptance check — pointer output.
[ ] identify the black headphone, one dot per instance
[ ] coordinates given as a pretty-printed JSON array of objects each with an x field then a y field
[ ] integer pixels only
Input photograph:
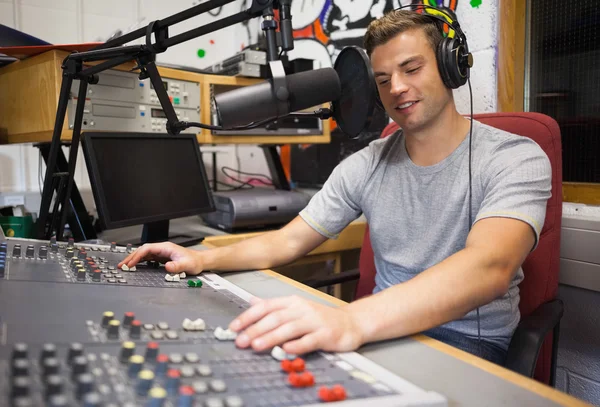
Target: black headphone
[{"x": 453, "y": 57}]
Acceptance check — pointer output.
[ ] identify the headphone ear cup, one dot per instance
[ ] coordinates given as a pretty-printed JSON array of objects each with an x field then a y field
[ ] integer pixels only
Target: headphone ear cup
[{"x": 448, "y": 64}]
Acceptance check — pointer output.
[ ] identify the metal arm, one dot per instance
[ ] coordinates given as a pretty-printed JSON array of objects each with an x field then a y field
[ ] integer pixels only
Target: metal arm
[{"x": 114, "y": 53}]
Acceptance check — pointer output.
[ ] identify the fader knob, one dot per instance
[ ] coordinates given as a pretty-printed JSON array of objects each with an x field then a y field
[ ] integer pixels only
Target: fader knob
[
  {"x": 59, "y": 400},
  {"x": 54, "y": 248},
  {"x": 127, "y": 350},
  {"x": 85, "y": 384},
  {"x": 16, "y": 251},
  {"x": 50, "y": 366},
  {"x": 48, "y": 351},
  {"x": 75, "y": 350},
  {"x": 151, "y": 351},
  {"x": 157, "y": 396},
  {"x": 69, "y": 254},
  {"x": 20, "y": 367},
  {"x": 92, "y": 400},
  {"x": 81, "y": 274},
  {"x": 54, "y": 385},
  {"x": 128, "y": 319},
  {"x": 43, "y": 254},
  {"x": 79, "y": 366},
  {"x": 96, "y": 275},
  {"x": 145, "y": 379},
  {"x": 4, "y": 247},
  {"x": 113, "y": 329},
  {"x": 30, "y": 252},
  {"x": 82, "y": 254},
  {"x": 135, "y": 365},
  {"x": 20, "y": 387},
  {"x": 23, "y": 402},
  {"x": 113, "y": 246},
  {"x": 71, "y": 242},
  {"x": 135, "y": 330},
  {"x": 106, "y": 318},
  {"x": 53, "y": 240},
  {"x": 19, "y": 351}
]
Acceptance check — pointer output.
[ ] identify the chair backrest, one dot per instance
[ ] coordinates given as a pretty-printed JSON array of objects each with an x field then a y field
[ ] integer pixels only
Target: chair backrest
[{"x": 541, "y": 268}]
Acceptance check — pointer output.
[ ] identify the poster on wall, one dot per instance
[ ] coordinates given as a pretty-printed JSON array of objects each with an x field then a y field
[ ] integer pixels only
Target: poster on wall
[{"x": 322, "y": 28}]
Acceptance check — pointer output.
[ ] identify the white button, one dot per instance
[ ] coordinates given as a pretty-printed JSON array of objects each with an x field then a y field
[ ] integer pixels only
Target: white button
[{"x": 142, "y": 108}]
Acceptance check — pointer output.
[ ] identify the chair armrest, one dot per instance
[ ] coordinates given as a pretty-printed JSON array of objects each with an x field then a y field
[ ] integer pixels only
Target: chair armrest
[
  {"x": 332, "y": 279},
  {"x": 529, "y": 336}
]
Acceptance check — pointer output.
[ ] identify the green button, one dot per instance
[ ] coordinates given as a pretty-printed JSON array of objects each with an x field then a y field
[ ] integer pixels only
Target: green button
[
  {"x": 198, "y": 283},
  {"x": 191, "y": 283},
  {"x": 176, "y": 101}
]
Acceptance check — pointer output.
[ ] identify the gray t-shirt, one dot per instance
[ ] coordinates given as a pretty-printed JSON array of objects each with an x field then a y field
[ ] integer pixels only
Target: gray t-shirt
[{"x": 418, "y": 216}]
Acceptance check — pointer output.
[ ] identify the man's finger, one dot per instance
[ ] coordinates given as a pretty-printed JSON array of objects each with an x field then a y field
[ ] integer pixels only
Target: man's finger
[
  {"x": 310, "y": 342},
  {"x": 265, "y": 325},
  {"x": 257, "y": 312},
  {"x": 282, "y": 334}
]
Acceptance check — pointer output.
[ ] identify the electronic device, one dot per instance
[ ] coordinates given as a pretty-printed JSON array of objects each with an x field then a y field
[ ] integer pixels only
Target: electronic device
[
  {"x": 285, "y": 126},
  {"x": 65, "y": 342},
  {"x": 255, "y": 208},
  {"x": 143, "y": 178},
  {"x": 120, "y": 101},
  {"x": 247, "y": 62}
]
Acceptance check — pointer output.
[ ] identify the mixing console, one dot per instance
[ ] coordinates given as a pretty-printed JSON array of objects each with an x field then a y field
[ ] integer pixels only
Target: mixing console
[{"x": 70, "y": 336}]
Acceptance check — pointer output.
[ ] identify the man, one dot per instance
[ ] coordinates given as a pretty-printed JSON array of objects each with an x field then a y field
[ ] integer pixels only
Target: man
[{"x": 437, "y": 272}]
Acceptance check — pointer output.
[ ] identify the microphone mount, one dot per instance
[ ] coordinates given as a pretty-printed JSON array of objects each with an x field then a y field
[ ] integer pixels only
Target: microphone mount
[{"x": 114, "y": 53}]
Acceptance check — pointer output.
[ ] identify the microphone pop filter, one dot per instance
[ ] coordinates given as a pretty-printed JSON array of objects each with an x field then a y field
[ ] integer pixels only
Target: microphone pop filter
[{"x": 354, "y": 109}]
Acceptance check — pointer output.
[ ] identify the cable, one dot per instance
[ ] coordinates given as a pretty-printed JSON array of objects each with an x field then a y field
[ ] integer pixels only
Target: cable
[
  {"x": 471, "y": 197},
  {"x": 246, "y": 173}
]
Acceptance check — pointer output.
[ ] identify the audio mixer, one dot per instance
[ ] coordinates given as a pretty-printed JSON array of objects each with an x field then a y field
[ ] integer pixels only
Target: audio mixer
[{"x": 75, "y": 330}]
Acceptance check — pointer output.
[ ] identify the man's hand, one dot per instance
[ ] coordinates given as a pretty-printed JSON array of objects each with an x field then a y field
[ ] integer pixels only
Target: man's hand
[
  {"x": 302, "y": 326},
  {"x": 175, "y": 258}
]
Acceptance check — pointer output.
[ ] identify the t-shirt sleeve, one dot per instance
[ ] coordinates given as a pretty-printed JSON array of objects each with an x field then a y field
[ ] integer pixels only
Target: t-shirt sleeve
[
  {"x": 339, "y": 201},
  {"x": 517, "y": 184}
]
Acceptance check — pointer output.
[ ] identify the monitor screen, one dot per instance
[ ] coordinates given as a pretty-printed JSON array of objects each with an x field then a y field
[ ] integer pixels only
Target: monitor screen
[{"x": 144, "y": 178}]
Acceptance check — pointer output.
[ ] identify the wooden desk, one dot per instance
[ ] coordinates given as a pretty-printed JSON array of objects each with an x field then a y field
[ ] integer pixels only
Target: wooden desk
[
  {"x": 464, "y": 379},
  {"x": 350, "y": 238}
]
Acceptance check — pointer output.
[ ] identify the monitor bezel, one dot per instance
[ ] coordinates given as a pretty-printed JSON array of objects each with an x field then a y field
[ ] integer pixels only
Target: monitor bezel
[{"x": 98, "y": 189}]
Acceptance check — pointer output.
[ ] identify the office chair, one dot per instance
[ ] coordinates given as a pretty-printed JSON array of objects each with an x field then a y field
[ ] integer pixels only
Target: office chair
[{"x": 533, "y": 348}]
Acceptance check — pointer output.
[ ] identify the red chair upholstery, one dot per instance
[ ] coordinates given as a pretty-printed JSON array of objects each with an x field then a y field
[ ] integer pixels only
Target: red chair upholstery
[{"x": 541, "y": 268}]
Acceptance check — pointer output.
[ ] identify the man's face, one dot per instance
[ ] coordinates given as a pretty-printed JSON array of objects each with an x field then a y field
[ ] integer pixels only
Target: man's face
[{"x": 409, "y": 83}]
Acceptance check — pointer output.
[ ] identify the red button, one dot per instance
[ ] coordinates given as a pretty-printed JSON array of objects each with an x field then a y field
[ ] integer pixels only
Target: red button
[
  {"x": 162, "y": 358},
  {"x": 286, "y": 365},
  {"x": 339, "y": 392},
  {"x": 186, "y": 391},
  {"x": 325, "y": 394},
  {"x": 173, "y": 373},
  {"x": 298, "y": 365}
]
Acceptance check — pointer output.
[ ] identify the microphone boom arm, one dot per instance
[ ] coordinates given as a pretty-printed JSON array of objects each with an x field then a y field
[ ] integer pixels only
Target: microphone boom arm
[{"x": 114, "y": 53}]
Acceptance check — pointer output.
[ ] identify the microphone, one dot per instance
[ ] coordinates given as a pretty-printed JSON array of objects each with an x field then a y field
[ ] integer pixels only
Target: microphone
[
  {"x": 268, "y": 99},
  {"x": 349, "y": 86}
]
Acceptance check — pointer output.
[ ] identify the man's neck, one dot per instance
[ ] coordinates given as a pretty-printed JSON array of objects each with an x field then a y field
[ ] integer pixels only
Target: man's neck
[{"x": 430, "y": 145}]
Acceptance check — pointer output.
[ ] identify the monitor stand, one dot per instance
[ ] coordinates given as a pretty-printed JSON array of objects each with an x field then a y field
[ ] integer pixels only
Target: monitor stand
[{"x": 154, "y": 232}]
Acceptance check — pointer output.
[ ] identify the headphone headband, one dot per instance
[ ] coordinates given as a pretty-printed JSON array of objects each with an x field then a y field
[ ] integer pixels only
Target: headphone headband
[{"x": 449, "y": 20}]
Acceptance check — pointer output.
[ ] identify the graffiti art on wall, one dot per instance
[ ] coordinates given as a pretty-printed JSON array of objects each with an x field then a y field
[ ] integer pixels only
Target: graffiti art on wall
[{"x": 322, "y": 28}]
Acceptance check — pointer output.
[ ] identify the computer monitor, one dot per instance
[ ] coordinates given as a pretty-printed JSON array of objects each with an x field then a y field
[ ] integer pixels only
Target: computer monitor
[{"x": 147, "y": 179}]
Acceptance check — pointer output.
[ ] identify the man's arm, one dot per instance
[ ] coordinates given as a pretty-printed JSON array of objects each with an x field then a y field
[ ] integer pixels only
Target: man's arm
[
  {"x": 268, "y": 250},
  {"x": 470, "y": 278}
]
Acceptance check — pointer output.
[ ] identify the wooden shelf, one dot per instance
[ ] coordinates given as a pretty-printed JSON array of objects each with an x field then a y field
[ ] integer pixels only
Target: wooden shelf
[{"x": 31, "y": 89}]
